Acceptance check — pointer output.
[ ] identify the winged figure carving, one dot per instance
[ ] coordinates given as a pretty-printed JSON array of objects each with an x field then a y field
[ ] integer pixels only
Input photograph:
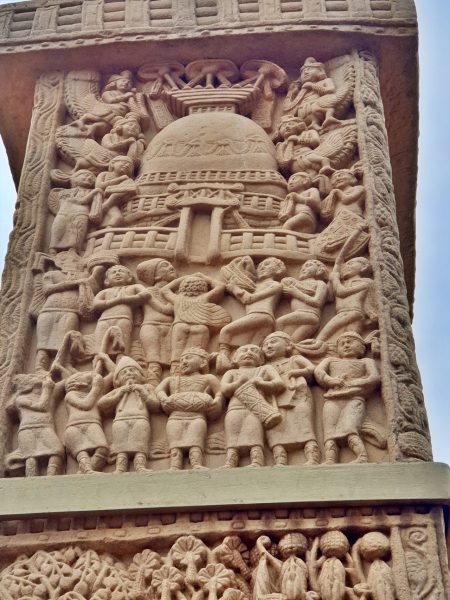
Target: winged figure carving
[{"x": 86, "y": 142}]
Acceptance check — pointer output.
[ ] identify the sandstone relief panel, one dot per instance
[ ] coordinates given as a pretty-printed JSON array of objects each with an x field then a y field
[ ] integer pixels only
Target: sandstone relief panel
[
  {"x": 204, "y": 291},
  {"x": 383, "y": 557}
]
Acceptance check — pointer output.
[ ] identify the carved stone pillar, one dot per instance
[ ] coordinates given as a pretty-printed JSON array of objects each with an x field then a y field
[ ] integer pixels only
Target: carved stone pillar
[{"x": 209, "y": 386}]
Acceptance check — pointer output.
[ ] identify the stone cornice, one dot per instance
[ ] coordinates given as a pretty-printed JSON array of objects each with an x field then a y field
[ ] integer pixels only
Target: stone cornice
[
  {"x": 244, "y": 488},
  {"x": 28, "y": 26}
]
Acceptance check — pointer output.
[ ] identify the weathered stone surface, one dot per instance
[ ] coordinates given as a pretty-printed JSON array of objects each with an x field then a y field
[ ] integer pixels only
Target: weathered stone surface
[
  {"x": 206, "y": 275},
  {"x": 185, "y": 199},
  {"x": 267, "y": 489},
  {"x": 334, "y": 553}
]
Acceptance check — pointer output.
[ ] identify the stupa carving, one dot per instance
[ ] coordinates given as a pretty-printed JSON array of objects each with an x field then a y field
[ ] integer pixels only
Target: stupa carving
[{"x": 206, "y": 275}]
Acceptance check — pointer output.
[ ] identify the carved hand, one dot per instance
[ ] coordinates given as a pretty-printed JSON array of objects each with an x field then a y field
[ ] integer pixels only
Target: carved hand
[{"x": 335, "y": 381}]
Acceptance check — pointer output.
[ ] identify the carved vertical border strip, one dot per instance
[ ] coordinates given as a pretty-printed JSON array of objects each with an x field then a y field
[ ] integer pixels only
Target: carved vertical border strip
[
  {"x": 399, "y": 565},
  {"x": 423, "y": 569},
  {"x": 29, "y": 233},
  {"x": 409, "y": 437}
]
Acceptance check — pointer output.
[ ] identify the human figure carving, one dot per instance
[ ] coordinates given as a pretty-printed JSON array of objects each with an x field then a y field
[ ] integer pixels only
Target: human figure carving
[
  {"x": 343, "y": 212},
  {"x": 126, "y": 139},
  {"x": 332, "y": 575},
  {"x": 301, "y": 206},
  {"x": 314, "y": 97},
  {"x": 72, "y": 353},
  {"x": 345, "y": 195},
  {"x": 117, "y": 99},
  {"x": 260, "y": 300},
  {"x": 195, "y": 312},
  {"x": 305, "y": 150},
  {"x": 116, "y": 304},
  {"x": 190, "y": 399},
  {"x": 158, "y": 316},
  {"x": 378, "y": 581},
  {"x": 71, "y": 208},
  {"x": 84, "y": 437},
  {"x": 295, "y": 403},
  {"x": 94, "y": 114},
  {"x": 116, "y": 187},
  {"x": 347, "y": 381},
  {"x": 62, "y": 297},
  {"x": 308, "y": 294},
  {"x": 32, "y": 403},
  {"x": 250, "y": 387},
  {"x": 267, "y": 571},
  {"x": 130, "y": 400},
  {"x": 296, "y": 146},
  {"x": 294, "y": 572},
  {"x": 352, "y": 287}
]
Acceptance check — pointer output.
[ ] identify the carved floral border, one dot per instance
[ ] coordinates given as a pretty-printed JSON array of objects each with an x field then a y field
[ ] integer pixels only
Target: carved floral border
[
  {"x": 409, "y": 437},
  {"x": 28, "y": 235}
]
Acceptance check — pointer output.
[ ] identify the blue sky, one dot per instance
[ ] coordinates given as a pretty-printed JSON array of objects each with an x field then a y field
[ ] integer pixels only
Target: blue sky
[{"x": 432, "y": 310}]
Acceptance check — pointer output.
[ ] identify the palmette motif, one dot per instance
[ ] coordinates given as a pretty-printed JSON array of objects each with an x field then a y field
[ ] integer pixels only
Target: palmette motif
[{"x": 293, "y": 566}]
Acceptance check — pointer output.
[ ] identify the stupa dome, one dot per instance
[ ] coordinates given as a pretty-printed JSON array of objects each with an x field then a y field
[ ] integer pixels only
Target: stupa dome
[{"x": 216, "y": 141}]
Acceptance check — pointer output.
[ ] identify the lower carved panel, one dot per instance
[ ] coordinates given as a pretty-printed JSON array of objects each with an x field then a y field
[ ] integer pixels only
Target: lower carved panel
[{"x": 388, "y": 553}]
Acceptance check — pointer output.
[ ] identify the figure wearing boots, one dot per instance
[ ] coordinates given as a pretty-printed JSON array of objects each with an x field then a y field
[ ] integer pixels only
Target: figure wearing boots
[
  {"x": 130, "y": 400},
  {"x": 347, "y": 380},
  {"x": 190, "y": 399},
  {"x": 250, "y": 387},
  {"x": 295, "y": 403}
]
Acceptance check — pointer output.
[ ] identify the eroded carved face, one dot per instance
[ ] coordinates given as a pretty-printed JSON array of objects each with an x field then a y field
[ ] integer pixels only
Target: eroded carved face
[
  {"x": 276, "y": 347},
  {"x": 312, "y": 269},
  {"x": 191, "y": 363},
  {"x": 123, "y": 84},
  {"x": 131, "y": 129},
  {"x": 118, "y": 275},
  {"x": 299, "y": 181},
  {"x": 343, "y": 178},
  {"x": 129, "y": 375},
  {"x": 354, "y": 266},
  {"x": 291, "y": 127},
  {"x": 26, "y": 384},
  {"x": 312, "y": 74},
  {"x": 69, "y": 263},
  {"x": 122, "y": 166},
  {"x": 77, "y": 345},
  {"x": 248, "y": 356},
  {"x": 349, "y": 346},
  {"x": 79, "y": 381},
  {"x": 165, "y": 271},
  {"x": 270, "y": 267},
  {"x": 83, "y": 178}
]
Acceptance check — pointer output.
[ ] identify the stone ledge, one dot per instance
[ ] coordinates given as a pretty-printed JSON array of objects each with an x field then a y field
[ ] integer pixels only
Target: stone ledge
[
  {"x": 413, "y": 483},
  {"x": 56, "y": 18}
]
